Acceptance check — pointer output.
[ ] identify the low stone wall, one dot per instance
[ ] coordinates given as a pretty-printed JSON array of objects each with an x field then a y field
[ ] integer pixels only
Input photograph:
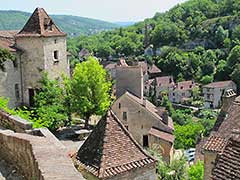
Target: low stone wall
[
  {"x": 37, "y": 157},
  {"x": 36, "y": 153},
  {"x": 14, "y": 123}
]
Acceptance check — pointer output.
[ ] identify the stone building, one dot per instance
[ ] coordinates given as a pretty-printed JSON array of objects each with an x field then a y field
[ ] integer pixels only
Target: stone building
[
  {"x": 213, "y": 93},
  {"x": 129, "y": 78},
  {"x": 39, "y": 47},
  {"x": 150, "y": 126},
  {"x": 181, "y": 92},
  {"x": 163, "y": 85},
  {"x": 110, "y": 152}
]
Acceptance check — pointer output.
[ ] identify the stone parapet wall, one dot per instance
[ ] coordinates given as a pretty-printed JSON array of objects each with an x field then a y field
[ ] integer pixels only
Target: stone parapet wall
[
  {"x": 14, "y": 123},
  {"x": 37, "y": 157}
]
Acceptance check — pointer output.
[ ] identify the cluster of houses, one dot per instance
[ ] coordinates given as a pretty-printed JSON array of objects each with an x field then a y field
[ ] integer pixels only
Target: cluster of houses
[
  {"x": 155, "y": 83},
  {"x": 115, "y": 148}
]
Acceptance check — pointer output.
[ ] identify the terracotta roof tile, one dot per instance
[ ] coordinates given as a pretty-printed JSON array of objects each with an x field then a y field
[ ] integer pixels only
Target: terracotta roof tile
[
  {"x": 227, "y": 164},
  {"x": 111, "y": 150},
  {"x": 165, "y": 81},
  {"x": 162, "y": 135},
  {"x": 226, "y": 123},
  {"x": 215, "y": 143},
  {"x": 218, "y": 84},
  {"x": 7, "y": 40},
  {"x": 40, "y": 25}
]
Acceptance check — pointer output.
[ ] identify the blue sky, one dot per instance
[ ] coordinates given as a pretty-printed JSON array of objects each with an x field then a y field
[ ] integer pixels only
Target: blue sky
[{"x": 109, "y": 10}]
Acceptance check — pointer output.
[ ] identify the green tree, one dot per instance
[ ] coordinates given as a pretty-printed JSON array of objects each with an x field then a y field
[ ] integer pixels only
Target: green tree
[
  {"x": 4, "y": 56},
  {"x": 235, "y": 75},
  {"x": 90, "y": 89},
  {"x": 187, "y": 135},
  {"x": 196, "y": 172},
  {"x": 49, "y": 104}
]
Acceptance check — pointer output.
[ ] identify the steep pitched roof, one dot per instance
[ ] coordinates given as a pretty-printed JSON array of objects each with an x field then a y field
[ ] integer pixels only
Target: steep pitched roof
[
  {"x": 225, "y": 124},
  {"x": 110, "y": 149},
  {"x": 40, "y": 25},
  {"x": 227, "y": 164}
]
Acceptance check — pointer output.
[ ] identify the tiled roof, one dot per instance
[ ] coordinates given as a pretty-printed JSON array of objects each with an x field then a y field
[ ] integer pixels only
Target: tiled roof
[
  {"x": 227, "y": 164},
  {"x": 40, "y": 24},
  {"x": 215, "y": 143},
  {"x": 7, "y": 40},
  {"x": 166, "y": 81},
  {"x": 185, "y": 85},
  {"x": 110, "y": 150},
  {"x": 162, "y": 135},
  {"x": 225, "y": 123},
  {"x": 154, "y": 69},
  {"x": 219, "y": 84}
]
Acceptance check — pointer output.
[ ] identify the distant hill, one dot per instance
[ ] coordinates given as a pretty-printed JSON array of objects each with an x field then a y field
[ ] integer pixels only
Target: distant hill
[
  {"x": 125, "y": 24},
  {"x": 72, "y": 25}
]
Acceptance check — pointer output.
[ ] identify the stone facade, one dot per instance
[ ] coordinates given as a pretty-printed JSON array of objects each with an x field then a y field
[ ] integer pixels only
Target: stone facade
[
  {"x": 213, "y": 93},
  {"x": 209, "y": 159},
  {"x": 130, "y": 79},
  {"x": 37, "y": 51},
  {"x": 139, "y": 119}
]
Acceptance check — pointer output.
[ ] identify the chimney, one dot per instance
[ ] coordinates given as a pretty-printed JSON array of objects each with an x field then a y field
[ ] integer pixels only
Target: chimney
[{"x": 227, "y": 99}]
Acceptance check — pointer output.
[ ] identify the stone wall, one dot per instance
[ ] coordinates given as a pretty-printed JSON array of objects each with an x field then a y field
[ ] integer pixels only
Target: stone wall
[
  {"x": 209, "y": 159},
  {"x": 129, "y": 79},
  {"x": 14, "y": 123},
  {"x": 37, "y": 155},
  {"x": 144, "y": 173},
  {"x": 8, "y": 80}
]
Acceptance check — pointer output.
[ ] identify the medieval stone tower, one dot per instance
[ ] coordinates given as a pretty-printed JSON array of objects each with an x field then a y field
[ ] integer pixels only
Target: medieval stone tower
[
  {"x": 39, "y": 47},
  {"x": 43, "y": 49}
]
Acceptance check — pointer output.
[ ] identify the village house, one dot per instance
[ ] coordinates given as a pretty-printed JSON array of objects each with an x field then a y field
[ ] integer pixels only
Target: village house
[
  {"x": 163, "y": 85},
  {"x": 149, "y": 125},
  {"x": 213, "y": 93},
  {"x": 110, "y": 152},
  {"x": 39, "y": 47},
  {"x": 181, "y": 92}
]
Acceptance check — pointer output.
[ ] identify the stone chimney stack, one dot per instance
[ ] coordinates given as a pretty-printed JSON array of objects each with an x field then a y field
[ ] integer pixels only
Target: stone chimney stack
[{"x": 227, "y": 99}]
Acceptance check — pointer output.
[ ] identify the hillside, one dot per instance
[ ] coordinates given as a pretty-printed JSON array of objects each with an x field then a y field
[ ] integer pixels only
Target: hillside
[
  {"x": 73, "y": 25},
  {"x": 198, "y": 39}
]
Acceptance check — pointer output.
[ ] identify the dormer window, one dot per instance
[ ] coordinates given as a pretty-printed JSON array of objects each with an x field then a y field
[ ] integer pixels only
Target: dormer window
[{"x": 48, "y": 24}]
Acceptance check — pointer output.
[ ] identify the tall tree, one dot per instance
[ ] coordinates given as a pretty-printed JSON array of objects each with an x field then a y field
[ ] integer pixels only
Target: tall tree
[{"x": 90, "y": 89}]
